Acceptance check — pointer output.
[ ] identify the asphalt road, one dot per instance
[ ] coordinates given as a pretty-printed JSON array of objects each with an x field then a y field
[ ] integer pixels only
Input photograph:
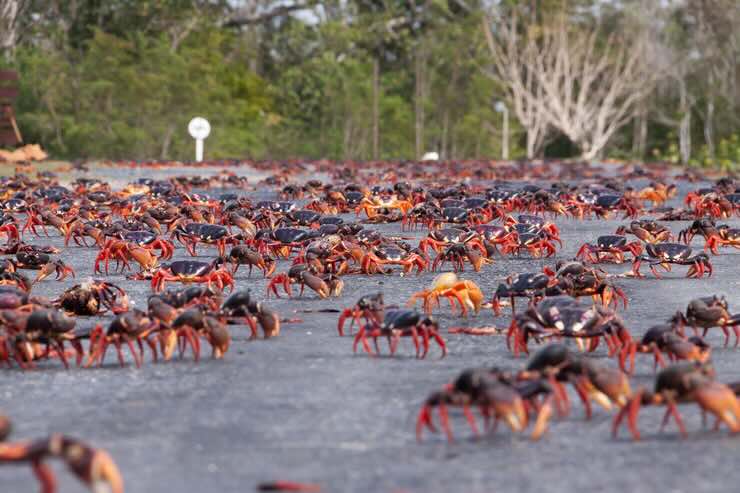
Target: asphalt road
[{"x": 303, "y": 407}]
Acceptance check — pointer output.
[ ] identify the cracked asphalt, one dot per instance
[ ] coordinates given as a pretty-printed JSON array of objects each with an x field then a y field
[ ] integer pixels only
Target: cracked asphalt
[{"x": 303, "y": 407}]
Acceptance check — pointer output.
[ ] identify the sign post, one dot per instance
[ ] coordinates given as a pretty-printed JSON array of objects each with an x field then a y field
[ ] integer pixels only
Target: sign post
[{"x": 199, "y": 129}]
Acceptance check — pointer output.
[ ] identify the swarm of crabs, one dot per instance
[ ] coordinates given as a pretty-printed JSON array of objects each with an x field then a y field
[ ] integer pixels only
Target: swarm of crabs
[{"x": 186, "y": 238}]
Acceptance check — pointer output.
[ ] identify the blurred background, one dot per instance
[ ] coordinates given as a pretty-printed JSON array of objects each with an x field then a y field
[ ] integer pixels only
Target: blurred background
[{"x": 379, "y": 79}]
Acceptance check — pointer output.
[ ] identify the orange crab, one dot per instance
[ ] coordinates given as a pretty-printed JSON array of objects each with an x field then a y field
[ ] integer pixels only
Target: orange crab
[
  {"x": 449, "y": 286},
  {"x": 376, "y": 204}
]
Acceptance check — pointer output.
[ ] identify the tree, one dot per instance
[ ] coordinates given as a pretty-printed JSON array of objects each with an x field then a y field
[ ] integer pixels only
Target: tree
[
  {"x": 699, "y": 52},
  {"x": 570, "y": 77},
  {"x": 128, "y": 98},
  {"x": 526, "y": 96},
  {"x": 377, "y": 78},
  {"x": 10, "y": 14}
]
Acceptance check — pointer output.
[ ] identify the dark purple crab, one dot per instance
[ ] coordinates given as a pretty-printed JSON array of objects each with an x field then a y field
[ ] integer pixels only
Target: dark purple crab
[
  {"x": 242, "y": 304},
  {"x": 441, "y": 238},
  {"x": 324, "y": 285},
  {"x": 564, "y": 316},
  {"x": 370, "y": 306},
  {"x": 609, "y": 248},
  {"x": 529, "y": 285},
  {"x": 302, "y": 217},
  {"x": 151, "y": 241},
  {"x": 42, "y": 262},
  {"x": 664, "y": 254},
  {"x": 282, "y": 241},
  {"x": 193, "y": 233},
  {"x": 191, "y": 271},
  {"x": 397, "y": 324}
]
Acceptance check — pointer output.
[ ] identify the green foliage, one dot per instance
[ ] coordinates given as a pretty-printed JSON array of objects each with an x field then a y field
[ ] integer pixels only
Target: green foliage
[
  {"x": 121, "y": 78},
  {"x": 727, "y": 154},
  {"x": 132, "y": 98}
]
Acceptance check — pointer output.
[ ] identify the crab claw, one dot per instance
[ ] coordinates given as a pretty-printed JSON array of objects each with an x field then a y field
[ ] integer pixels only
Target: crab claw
[
  {"x": 353, "y": 314},
  {"x": 11, "y": 230},
  {"x": 513, "y": 412},
  {"x": 549, "y": 247},
  {"x": 269, "y": 267},
  {"x": 540, "y": 425},
  {"x": 288, "y": 486},
  {"x": 104, "y": 475},
  {"x": 496, "y": 305},
  {"x": 317, "y": 284},
  {"x": 168, "y": 343},
  {"x": 45, "y": 272},
  {"x": 720, "y": 400},
  {"x": 270, "y": 322},
  {"x": 584, "y": 251},
  {"x": 121, "y": 304}
]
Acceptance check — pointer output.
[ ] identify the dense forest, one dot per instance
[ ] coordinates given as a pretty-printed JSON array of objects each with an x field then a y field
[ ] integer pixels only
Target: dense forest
[{"x": 379, "y": 79}]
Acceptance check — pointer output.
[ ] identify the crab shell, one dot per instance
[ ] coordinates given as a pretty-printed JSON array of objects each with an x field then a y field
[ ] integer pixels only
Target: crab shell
[{"x": 668, "y": 251}]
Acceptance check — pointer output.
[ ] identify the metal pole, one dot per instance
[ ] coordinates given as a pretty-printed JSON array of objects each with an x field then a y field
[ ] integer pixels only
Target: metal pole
[{"x": 198, "y": 150}]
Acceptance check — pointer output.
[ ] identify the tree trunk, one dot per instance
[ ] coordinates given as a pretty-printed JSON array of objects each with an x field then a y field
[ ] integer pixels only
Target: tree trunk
[
  {"x": 376, "y": 108},
  {"x": 505, "y": 137},
  {"x": 684, "y": 137},
  {"x": 639, "y": 134},
  {"x": 347, "y": 138},
  {"x": 684, "y": 128},
  {"x": 419, "y": 101},
  {"x": 535, "y": 142},
  {"x": 10, "y": 11},
  {"x": 709, "y": 125},
  {"x": 445, "y": 131},
  {"x": 444, "y": 144},
  {"x": 453, "y": 151},
  {"x": 589, "y": 152},
  {"x": 531, "y": 145},
  {"x": 167, "y": 142}
]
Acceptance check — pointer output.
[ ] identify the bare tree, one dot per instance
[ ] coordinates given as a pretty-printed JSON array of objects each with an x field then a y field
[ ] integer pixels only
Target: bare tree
[
  {"x": 260, "y": 12},
  {"x": 508, "y": 50},
  {"x": 10, "y": 13},
  {"x": 420, "y": 94},
  {"x": 572, "y": 78}
]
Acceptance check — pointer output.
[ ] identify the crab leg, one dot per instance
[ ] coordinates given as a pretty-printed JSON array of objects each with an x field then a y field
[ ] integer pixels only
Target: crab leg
[
  {"x": 415, "y": 338},
  {"x": 657, "y": 358},
  {"x": 117, "y": 343},
  {"x": 543, "y": 416},
  {"x": 441, "y": 342},
  {"x": 425, "y": 336},
  {"x": 62, "y": 356},
  {"x": 362, "y": 336},
  {"x": 445, "y": 420},
  {"x": 583, "y": 394},
  {"x": 471, "y": 419},
  {"x": 673, "y": 409},
  {"x": 135, "y": 355}
]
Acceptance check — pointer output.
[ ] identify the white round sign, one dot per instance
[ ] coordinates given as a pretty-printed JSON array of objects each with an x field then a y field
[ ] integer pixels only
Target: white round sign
[{"x": 199, "y": 128}]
